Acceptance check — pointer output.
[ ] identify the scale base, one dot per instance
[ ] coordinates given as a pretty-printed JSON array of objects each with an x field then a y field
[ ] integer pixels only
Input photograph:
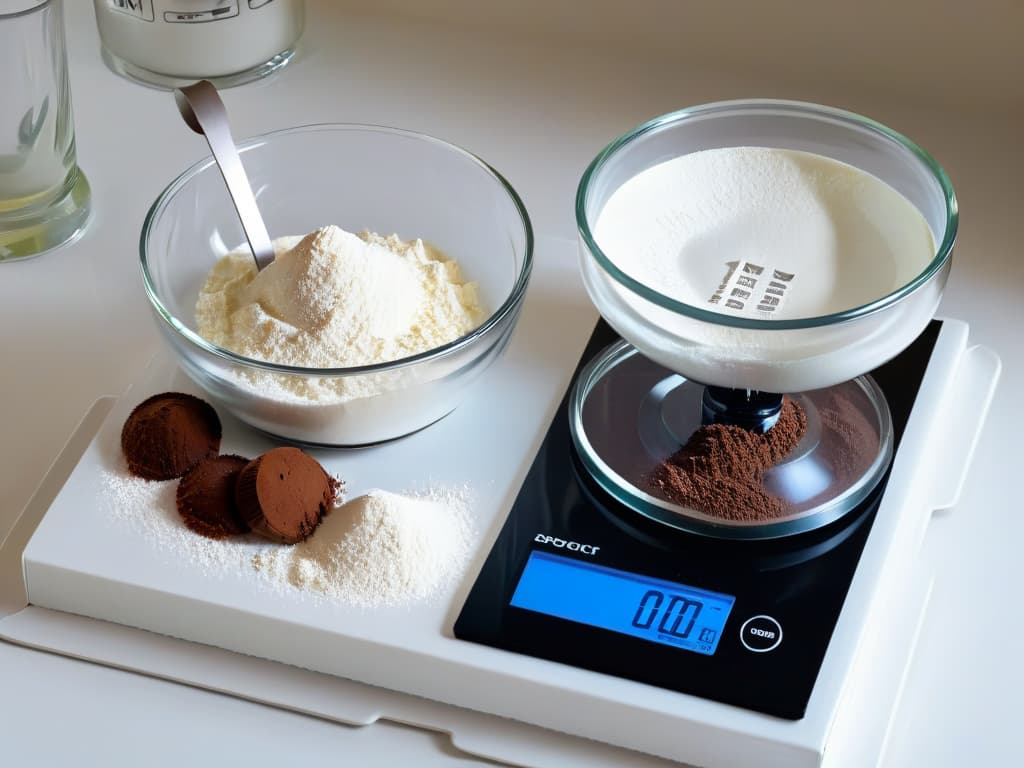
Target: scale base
[{"x": 67, "y": 570}]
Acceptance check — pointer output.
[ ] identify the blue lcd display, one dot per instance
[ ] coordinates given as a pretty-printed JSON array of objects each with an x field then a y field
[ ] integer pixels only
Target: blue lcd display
[{"x": 628, "y": 603}]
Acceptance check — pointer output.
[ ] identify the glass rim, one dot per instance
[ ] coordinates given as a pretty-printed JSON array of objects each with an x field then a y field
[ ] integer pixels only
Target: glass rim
[
  {"x": 693, "y": 520},
  {"x": 808, "y": 109},
  {"x": 37, "y": 5},
  {"x": 508, "y": 306}
]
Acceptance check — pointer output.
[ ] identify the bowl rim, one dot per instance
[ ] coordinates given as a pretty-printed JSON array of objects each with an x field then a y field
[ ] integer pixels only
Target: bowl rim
[
  {"x": 509, "y": 306},
  {"x": 806, "y": 109}
]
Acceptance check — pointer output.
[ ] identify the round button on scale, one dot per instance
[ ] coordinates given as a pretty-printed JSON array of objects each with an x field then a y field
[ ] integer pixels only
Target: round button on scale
[{"x": 761, "y": 634}]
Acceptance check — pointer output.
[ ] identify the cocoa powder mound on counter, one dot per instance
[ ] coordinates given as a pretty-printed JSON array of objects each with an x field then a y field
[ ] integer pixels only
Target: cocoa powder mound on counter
[
  {"x": 167, "y": 434},
  {"x": 284, "y": 494},
  {"x": 720, "y": 470},
  {"x": 281, "y": 495},
  {"x": 206, "y": 497}
]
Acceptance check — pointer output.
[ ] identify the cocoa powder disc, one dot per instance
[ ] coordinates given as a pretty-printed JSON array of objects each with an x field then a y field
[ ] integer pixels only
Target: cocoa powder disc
[
  {"x": 206, "y": 497},
  {"x": 167, "y": 434},
  {"x": 284, "y": 494}
]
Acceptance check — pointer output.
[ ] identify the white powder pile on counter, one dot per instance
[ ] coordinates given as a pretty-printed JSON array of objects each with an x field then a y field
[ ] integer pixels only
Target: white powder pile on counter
[
  {"x": 380, "y": 549},
  {"x": 333, "y": 299}
]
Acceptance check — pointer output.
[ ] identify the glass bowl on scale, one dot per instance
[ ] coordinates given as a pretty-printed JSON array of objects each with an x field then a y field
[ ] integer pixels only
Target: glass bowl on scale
[{"x": 686, "y": 362}]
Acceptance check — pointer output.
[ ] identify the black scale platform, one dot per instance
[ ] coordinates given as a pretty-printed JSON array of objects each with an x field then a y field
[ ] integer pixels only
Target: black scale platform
[{"x": 741, "y": 622}]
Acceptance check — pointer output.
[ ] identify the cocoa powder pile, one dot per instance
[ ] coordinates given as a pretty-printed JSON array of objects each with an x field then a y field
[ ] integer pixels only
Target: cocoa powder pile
[
  {"x": 168, "y": 434},
  {"x": 720, "y": 470},
  {"x": 284, "y": 494},
  {"x": 281, "y": 495},
  {"x": 206, "y": 497}
]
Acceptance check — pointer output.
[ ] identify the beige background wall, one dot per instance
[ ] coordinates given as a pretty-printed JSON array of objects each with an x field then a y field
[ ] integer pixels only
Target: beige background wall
[{"x": 968, "y": 53}]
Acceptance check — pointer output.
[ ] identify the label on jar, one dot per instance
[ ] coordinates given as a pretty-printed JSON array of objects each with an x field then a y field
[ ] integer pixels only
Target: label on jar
[
  {"x": 222, "y": 10},
  {"x": 140, "y": 9}
]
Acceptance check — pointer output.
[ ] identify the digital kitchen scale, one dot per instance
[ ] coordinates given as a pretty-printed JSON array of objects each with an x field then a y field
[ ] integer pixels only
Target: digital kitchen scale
[{"x": 579, "y": 578}]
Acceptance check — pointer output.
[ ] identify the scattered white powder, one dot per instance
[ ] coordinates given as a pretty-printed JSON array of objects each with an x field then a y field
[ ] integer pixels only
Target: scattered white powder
[
  {"x": 333, "y": 299},
  {"x": 149, "y": 508},
  {"x": 380, "y": 549}
]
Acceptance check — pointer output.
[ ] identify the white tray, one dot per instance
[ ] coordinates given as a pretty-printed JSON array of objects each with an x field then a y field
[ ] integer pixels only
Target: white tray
[
  {"x": 560, "y": 303},
  {"x": 80, "y": 562}
]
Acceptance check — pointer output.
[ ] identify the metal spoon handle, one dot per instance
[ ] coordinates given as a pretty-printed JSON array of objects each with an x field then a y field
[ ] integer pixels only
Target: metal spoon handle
[{"x": 201, "y": 107}]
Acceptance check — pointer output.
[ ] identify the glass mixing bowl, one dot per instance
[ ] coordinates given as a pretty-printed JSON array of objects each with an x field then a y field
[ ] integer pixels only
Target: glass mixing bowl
[
  {"x": 360, "y": 178},
  {"x": 752, "y": 353}
]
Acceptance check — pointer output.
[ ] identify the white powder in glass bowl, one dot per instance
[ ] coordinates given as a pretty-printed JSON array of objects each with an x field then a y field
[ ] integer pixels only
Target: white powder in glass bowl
[{"x": 333, "y": 299}]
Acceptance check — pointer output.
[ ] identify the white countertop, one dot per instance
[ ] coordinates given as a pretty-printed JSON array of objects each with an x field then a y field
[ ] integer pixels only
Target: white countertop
[{"x": 76, "y": 326}]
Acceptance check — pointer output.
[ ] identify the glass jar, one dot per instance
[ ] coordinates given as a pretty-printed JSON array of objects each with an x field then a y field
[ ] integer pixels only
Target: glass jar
[{"x": 169, "y": 43}]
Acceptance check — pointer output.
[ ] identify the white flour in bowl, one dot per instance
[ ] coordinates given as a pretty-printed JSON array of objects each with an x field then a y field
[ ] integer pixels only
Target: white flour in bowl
[
  {"x": 764, "y": 233},
  {"x": 333, "y": 299}
]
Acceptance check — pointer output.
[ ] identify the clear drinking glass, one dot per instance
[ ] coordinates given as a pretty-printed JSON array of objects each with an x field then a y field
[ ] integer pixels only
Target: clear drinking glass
[{"x": 44, "y": 197}]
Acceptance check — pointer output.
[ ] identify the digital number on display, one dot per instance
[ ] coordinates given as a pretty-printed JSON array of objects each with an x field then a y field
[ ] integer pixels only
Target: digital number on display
[{"x": 631, "y": 604}]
